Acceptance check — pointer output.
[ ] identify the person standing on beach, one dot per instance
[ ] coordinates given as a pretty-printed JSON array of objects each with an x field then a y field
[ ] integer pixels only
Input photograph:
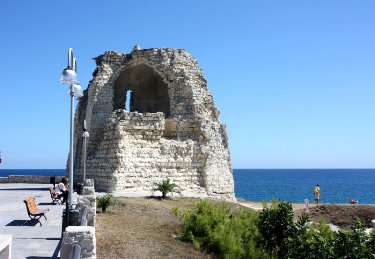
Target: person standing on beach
[{"x": 317, "y": 193}]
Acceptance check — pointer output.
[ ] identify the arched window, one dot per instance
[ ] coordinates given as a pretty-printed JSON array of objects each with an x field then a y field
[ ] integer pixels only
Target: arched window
[{"x": 141, "y": 89}]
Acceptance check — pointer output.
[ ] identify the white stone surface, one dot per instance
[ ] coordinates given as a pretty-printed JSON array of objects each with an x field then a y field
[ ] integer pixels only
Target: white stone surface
[
  {"x": 84, "y": 236},
  {"x": 368, "y": 231},
  {"x": 333, "y": 227},
  {"x": 5, "y": 246},
  {"x": 88, "y": 202}
]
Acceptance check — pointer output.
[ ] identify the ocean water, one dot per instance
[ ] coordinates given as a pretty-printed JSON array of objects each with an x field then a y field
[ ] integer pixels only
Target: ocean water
[
  {"x": 295, "y": 185},
  {"x": 51, "y": 172}
]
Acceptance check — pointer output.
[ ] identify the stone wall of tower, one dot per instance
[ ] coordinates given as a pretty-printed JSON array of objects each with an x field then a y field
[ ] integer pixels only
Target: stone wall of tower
[{"x": 129, "y": 151}]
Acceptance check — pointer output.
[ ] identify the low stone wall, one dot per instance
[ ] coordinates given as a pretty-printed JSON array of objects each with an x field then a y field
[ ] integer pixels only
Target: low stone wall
[
  {"x": 83, "y": 236},
  {"x": 89, "y": 189},
  {"x": 87, "y": 201},
  {"x": 5, "y": 246},
  {"x": 29, "y": 179}
]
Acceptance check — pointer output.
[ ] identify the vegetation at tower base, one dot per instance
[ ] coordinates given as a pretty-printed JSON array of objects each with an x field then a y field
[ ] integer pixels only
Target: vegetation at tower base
[
  {"x": 166, "y": 187},
  {"x": 272, "y": 233},
  {"x": 103, "y": 202}
]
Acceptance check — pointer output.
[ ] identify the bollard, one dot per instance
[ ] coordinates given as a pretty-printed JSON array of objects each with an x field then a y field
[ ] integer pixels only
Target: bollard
[{"x": 80, "y": 188}]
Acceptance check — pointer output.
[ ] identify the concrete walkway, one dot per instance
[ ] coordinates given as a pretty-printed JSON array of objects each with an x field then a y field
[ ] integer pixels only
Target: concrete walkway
[{"x": 30, "y": 240}]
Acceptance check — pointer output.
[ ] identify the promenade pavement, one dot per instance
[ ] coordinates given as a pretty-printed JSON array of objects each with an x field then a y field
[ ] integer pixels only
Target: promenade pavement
[{"x": 30, "y": 240}]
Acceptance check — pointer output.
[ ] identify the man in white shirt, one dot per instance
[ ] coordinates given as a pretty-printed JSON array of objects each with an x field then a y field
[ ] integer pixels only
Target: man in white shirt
[{"x": 62, "y": 189}]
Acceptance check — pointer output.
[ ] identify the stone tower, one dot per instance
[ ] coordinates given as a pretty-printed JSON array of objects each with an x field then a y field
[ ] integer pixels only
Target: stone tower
[{"x": 151, "y": 117}]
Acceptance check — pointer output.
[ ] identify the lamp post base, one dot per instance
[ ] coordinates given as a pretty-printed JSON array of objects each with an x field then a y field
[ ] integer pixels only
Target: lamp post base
[{"x": 70, "y": 219}]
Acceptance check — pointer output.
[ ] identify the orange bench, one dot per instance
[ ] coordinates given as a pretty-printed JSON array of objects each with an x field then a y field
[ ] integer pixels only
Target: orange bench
[
  {"x": 54, "y": 195},
  {"x": 33, "y": 211}
]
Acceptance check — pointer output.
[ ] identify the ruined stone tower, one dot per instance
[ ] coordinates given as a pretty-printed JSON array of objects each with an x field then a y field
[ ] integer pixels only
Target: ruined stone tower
[{"x": 151, "y": 117}]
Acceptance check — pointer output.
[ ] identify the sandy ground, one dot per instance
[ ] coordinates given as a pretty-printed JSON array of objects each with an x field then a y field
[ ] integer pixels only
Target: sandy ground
[{"x": 259, "y": 205}]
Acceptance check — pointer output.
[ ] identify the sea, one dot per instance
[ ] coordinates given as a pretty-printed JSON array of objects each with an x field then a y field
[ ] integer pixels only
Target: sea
[{"x": 294, "y": 185}]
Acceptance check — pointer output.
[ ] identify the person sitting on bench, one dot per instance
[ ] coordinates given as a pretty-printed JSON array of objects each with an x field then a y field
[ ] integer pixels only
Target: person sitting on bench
[{"x": 62, "y": 189}]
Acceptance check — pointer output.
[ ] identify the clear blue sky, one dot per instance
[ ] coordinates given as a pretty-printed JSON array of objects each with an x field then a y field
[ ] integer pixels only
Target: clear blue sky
[{"x": 294, "y": 80}]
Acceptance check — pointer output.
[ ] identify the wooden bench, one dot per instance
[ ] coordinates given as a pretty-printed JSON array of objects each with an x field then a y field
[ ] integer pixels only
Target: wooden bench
[
  {"x": 54, "y": 195},
  {"x": 33, "y": 211}
]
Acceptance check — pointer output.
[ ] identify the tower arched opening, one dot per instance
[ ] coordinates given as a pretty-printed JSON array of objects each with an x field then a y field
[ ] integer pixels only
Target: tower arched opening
[{"x": 143, "y": 88}]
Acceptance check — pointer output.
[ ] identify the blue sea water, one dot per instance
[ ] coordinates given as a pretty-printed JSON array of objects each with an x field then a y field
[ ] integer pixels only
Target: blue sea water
[
  {"x": 50, "y": 172},
  {"x": 294, "y": 185}
]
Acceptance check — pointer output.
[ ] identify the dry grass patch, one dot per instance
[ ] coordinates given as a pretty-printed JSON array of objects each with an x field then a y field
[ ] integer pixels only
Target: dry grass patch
[{"x": 143, "y": 228}]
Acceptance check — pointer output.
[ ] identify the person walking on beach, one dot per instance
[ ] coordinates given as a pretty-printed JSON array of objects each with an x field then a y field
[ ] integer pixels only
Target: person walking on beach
[{"x": 317, "y": 193}]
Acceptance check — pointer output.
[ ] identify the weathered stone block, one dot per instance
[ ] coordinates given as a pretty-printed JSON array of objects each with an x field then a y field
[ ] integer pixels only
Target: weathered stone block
[
  {"x": 83, "y": 236},
  {"x": 88, "y": 202}
]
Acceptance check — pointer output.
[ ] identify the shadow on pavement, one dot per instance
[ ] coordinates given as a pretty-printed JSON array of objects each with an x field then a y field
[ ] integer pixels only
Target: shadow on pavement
[
  {"x": 22, "y": 223},
  {"x": 40, "y": 257},
  {"x": 47, "y": 238},
  {"x": 56, "y": 252},
  {"x": 46, "y": 203}
]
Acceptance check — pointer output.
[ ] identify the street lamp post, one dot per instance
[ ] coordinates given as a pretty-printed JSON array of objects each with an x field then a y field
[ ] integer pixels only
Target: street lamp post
[
  {"x": 85, "y": 135},
  {"x": 69, "y": 76}
]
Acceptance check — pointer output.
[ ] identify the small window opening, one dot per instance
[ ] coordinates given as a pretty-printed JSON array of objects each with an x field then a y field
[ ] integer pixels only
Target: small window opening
[{"x": 128, "y": 95}]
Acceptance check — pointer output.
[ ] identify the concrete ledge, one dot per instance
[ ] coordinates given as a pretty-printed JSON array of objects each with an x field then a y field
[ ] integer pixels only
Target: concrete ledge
[
  {"x": 5, "y": 246},
  {"x": 29, "y": 179},
  {"x": 83, "y": 236}
]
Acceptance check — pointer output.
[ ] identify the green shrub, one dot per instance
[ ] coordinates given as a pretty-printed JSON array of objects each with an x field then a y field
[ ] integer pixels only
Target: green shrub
[
  {"x": 105, "y": 201},
  {"x": 354, "y": 243},
  {"x": 276, "y": 225},
  {"x": 217, "y": 229},
  {"x": 272, "y": 233},
  {"x": 166, "y": 187},
  {"x": 316, "y": 241},
  {"x": 285, "y": 239}
]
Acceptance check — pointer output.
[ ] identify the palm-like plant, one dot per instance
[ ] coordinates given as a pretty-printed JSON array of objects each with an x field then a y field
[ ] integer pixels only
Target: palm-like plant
[
  {"x": 104, "y": 201},
  {"x": 166, "y": 187}
]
